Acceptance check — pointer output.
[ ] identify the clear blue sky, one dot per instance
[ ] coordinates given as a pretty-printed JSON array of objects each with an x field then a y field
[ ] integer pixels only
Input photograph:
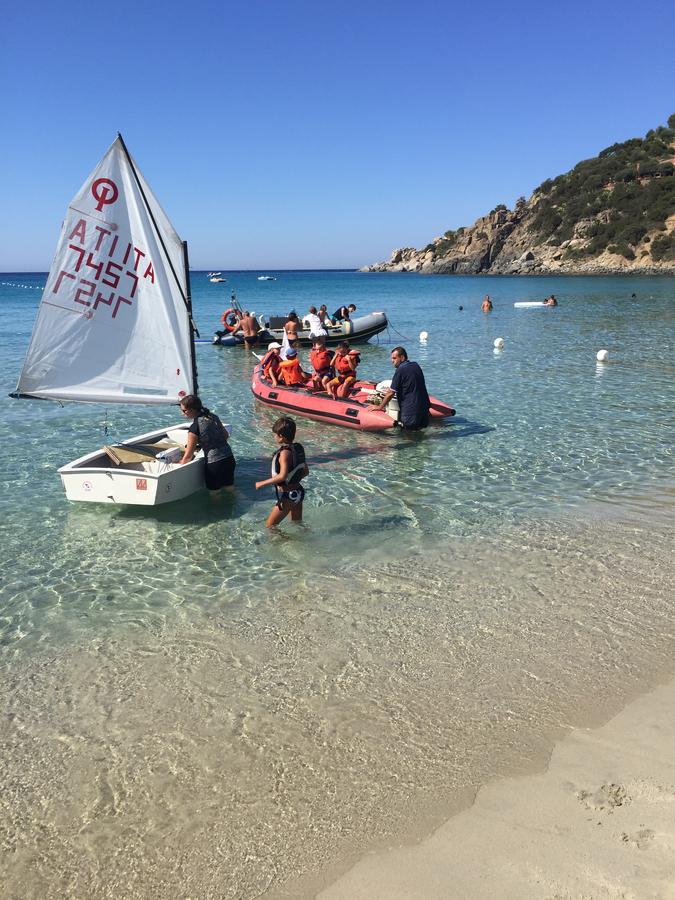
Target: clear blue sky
[{"x": 297, "y": 134}]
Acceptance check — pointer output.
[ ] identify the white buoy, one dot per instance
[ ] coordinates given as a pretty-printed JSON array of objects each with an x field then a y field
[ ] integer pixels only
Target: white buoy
[
  {"x": 499, "y": 344},
  {"x": 423, "y": 336},
  {"x": 602, "y": 355}
]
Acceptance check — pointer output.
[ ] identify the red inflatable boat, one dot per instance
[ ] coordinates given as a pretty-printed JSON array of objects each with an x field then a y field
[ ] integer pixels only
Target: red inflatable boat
[{"x": 351, "y": 413}]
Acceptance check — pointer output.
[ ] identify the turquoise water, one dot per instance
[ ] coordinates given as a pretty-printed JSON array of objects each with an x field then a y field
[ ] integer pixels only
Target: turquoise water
[
  {"x": 539, "y": 427},
  {"x": 538, "y": 424},
  {"x": 347, "y": 665}
]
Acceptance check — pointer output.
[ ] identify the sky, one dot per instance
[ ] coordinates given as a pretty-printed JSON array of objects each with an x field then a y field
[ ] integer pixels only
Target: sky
[{"x": 309, "y": 135}]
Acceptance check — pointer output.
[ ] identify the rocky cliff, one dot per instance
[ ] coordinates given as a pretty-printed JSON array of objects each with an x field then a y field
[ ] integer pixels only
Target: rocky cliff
[{"x": 612, "y": 214}]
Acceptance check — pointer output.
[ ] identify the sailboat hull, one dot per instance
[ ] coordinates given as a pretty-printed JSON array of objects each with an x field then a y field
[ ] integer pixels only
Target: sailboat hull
[{"x": 95, "y": 478}]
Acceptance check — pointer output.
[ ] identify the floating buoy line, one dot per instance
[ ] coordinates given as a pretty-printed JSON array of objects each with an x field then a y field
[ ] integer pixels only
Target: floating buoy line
[{"x": 27, "y": 287}]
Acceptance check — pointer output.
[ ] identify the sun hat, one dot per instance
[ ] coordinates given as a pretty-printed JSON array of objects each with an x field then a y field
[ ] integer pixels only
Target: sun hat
[
  {"x": 274, "y": 345},
  {"x": 291, "y": 352}
]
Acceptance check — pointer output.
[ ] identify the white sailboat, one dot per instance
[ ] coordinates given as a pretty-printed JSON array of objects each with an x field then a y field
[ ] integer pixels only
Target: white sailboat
[{"x": 115, "y": 326}]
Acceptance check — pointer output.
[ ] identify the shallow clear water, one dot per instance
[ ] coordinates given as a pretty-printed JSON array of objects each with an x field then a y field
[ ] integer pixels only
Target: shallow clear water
[{"x": 453, "y": 599}]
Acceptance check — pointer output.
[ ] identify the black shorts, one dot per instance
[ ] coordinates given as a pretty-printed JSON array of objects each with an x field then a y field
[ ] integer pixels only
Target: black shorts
[
  {"x": 220, "y": 473},
  {"x": 294, "y": 496},
  {"x": 414, "y": 424},
  {"x": 251, "y": 340}
]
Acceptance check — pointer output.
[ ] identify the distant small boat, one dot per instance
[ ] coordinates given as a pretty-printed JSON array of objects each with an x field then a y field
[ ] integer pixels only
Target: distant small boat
[
  {"x": 266, "y": 278},
  {"x": 217, "y": 280},
  {"x": 524, "y": 304}
]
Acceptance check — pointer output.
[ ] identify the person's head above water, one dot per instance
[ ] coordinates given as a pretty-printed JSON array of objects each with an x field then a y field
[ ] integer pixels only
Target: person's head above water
[
  {"x": 398, "y": 355},
  {"x": 284, "y": 427},
  {"x": 191, "y": 405}
]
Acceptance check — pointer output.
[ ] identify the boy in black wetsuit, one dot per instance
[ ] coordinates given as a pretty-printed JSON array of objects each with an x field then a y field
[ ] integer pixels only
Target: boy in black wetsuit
[{"x": 288, "y": 469}]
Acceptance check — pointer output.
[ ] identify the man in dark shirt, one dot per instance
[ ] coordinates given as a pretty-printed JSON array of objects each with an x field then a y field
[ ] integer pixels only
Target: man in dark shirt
[
  {"x": 343, "y": 312},
  {"x": 411, "y": 390}
]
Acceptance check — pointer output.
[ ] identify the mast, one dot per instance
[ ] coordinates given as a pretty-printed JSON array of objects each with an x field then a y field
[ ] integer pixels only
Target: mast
[
  {"x": 158, "y": 232},
  {"x": 193, "y": 327}
]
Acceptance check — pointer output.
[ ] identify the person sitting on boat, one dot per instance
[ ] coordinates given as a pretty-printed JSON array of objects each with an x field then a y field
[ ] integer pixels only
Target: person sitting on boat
[
  {"x": 321, "y": 359},
  {"x": 249, "y": 327},
  {"x": 289, "y": 467},
  {"x": 343, "y": 313},
  {"x": 313, "y": 320},
  {"x": 326, "y": 320},
  {"x": 487, "y": 304},
  {"x": 345, "y": 362},
  {"x": 292, "y": 327},
  {"x": 550, "y": 301},
  {"x": 209, "y": 433},
  {"x": 290, "y": 370},
  {"x": 270, "y": 362}
]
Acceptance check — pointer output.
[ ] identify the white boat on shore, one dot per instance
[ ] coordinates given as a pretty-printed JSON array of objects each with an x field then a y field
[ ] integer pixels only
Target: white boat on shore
[{"x": 115, "y": 326}]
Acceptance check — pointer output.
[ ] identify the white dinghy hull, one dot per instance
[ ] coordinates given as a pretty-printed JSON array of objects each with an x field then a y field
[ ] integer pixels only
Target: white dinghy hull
[{"x": 95, "y": 478}]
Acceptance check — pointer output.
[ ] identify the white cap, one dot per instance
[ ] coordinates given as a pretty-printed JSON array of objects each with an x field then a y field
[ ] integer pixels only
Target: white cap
[{"x": 274, "y": 345}]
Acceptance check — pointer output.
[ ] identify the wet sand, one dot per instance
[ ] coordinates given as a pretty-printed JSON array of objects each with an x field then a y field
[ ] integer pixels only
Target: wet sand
[{"x": 598, "y": 823}]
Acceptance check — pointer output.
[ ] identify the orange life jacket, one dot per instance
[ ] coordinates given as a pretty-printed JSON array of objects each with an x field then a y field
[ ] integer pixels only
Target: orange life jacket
[
  {"x": 343, "y": 364},
  {"x": 290, "y": 371},
  {"x": 270, "y": 363},
  {"x": 321, "y": 360}
]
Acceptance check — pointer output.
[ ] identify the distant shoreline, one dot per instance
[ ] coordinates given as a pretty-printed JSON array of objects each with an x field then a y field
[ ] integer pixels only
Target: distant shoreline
[
  {"x": 609, "y": 273},
  {"x": 613, "y": 273}
]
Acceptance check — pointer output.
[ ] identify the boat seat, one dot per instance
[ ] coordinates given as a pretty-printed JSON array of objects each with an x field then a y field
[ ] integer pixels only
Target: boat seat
[{"x": 121, "y": 455}]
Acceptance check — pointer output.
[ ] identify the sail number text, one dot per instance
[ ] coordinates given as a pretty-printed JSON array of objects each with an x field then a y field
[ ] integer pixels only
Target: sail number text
[{"x": 109, "y": 262}]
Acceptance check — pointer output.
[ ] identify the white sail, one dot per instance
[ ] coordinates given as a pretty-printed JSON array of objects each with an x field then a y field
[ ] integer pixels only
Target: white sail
[{"x": 113, "y": 325}]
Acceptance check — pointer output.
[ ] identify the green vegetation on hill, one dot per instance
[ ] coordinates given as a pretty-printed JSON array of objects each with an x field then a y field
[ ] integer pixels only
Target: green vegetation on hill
[{"x": 614, "y": 200}]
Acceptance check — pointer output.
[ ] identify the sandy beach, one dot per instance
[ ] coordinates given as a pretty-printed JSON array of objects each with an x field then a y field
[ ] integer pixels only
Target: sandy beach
[{"x": 598, "y": 823}]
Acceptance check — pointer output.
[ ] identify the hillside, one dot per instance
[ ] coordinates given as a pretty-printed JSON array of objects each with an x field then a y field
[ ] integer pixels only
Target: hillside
[{"x": 614, "y": 213}]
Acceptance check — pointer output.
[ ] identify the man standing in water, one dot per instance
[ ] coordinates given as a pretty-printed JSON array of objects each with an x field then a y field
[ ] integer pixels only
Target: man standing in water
[
  {"x": 249, "y": 329},
  {"x": 410, "y": 387}
]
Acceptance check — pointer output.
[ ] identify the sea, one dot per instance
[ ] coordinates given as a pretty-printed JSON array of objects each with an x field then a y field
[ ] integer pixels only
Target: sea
[{"x": 193, "y": 706}]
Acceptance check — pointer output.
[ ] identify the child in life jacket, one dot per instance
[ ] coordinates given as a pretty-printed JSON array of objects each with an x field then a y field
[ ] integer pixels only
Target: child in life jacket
[
  {"x": 345, "y": 362},
  {"x": 288, "y": 469},
  {"x": 290, "y": 370},
  {"x": 270, "y": 362},
  {"x": 322, "y": 362}
]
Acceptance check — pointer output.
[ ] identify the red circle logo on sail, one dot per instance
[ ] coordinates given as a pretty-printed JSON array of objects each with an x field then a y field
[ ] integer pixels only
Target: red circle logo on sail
[{"x": 105, "y": 191}]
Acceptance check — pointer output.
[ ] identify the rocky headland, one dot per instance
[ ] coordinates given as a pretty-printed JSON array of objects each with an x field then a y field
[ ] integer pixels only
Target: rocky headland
[{"x": 613, "y": 214}]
